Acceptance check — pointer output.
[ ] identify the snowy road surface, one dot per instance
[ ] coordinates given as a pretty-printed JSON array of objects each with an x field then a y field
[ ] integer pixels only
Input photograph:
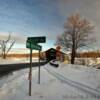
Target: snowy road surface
[
  {"x": 64, "y": 83},
  {"x": 84, "y": 88}
]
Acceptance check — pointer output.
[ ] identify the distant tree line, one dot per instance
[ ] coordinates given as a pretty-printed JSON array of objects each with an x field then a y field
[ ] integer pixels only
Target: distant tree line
[
  {"x": 21, "y": 55},
  {"x": 91, "y": 54}
]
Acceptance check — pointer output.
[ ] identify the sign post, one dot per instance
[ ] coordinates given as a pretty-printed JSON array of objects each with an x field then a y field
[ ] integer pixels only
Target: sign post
[
  {"x": 39, "y": 69},
  {"x": 32, "y": 43},
  {"x": 30, "y": 72}
]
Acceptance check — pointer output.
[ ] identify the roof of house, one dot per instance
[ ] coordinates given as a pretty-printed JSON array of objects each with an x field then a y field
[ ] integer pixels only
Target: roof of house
[{"x": 55, "y": 50}]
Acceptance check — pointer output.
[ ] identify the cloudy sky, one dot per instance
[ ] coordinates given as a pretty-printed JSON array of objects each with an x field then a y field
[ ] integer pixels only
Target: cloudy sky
[{"x": 25, "y": 18}]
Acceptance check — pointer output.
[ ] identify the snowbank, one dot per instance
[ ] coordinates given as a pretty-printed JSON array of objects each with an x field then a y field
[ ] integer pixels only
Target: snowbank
[
  {"x": 16, "y": 60},
  {"x": 86, "y": 75},
  {"x": 15, "y": 86}
]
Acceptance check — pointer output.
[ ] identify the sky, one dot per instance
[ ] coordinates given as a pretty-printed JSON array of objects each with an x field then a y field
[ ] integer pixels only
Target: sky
[{"x": 29, "y": 18}]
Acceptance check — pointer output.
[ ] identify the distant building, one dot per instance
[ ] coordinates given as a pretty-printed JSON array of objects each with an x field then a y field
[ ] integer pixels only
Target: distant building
[{"x": 52, "y": 53}]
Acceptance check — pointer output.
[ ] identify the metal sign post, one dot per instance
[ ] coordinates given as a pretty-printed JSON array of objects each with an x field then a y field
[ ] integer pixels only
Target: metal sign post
[
  {"x": 30, "y": 73},
  {"x": 32, "y": 43},
  {"x": 39, "y": 69}
]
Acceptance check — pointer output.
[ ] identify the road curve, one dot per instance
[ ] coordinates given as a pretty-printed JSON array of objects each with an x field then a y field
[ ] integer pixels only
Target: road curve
[{"x": 6, "y": 68}]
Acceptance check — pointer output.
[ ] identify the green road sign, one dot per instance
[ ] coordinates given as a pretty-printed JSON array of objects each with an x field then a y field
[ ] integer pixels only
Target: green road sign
[
  {"x": 41, "y": 39},
  {"x": 33, "y": 46}
]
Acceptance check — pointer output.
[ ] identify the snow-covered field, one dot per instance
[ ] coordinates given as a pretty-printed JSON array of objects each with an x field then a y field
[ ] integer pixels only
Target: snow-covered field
[
  {"x": 66, "y": 82},
  {"x": 17, "y": 60}
]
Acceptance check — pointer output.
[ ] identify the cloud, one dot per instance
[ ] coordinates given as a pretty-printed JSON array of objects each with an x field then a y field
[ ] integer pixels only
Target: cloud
[
  {"x": 44, "y": 17},
  {"x": 19, "y": 38},
  {"x": 89, "y": 9}
]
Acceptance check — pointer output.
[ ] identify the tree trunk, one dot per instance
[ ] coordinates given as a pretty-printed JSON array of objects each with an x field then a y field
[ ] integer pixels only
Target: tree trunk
[
  {"x": 4, "y": 55},
  {"x": 73, "y": 54},
  {"x": 73, "y": 58}
]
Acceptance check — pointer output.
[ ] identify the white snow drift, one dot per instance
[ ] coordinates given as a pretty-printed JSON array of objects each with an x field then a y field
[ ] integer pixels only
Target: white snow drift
[{"x": 66, "y": 82}]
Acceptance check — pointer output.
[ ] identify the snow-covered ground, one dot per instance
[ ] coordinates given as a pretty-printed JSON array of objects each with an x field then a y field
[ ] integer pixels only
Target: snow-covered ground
[
  {"x": 83, "y": 74},
  {"x": 66, "y": 82},
  {"x": 17, "y": 60}
]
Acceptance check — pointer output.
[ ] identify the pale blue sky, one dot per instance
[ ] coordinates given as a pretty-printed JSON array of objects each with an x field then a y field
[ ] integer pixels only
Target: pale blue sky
[{"x": 24, "y": 18}]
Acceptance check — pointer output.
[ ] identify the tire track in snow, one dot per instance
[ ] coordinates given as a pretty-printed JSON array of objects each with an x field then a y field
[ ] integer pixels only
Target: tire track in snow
[{"x": 95, "y": 93}]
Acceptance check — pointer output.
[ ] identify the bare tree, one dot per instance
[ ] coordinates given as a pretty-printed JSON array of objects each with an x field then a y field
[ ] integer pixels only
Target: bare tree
[
  {"x": 76, "y": 35},
  {"x": 5, "y": 46}
]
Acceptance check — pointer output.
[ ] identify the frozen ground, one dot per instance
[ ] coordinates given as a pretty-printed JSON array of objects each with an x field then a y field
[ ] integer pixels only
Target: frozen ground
[
  {"x": 16, "y": 60},
  {"x": 82, "y": 74},
  {"x": 66, "y": 82}
]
